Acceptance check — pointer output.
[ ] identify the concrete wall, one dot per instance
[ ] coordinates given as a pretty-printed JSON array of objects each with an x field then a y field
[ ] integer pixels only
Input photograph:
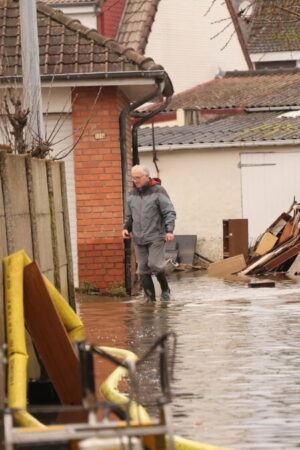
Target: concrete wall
[
  {"x": 181, "y": 40},
  {"x": 61, "y": 126},
  {"x": 34, "y": 218},
  {"x": 205, "y": 188}
]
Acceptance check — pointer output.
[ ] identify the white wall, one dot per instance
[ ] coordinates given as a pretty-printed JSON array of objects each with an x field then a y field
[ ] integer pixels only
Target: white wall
[
  {"x": 85, "y": 14},
  {"x": 181, "y": 40},
  {"x": 56, "y": 100},
  {"x": 270, "y": 181},
  {"x": 205, "y": 187},
  {"x": 209, "y": 185}
]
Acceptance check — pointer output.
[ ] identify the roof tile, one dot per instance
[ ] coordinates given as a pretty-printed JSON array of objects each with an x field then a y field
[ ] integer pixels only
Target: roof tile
[
  {"x": 66, "y": 46},
  {"x": 275, "y": 27},
  {"x": 247, "y": 127},
  {"x": 242, "y": 90},
  {"x": 136, "y": 23}
]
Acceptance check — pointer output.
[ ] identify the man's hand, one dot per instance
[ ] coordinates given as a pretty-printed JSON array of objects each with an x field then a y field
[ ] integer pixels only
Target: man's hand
[
  {"x": 170, "y": 237},
  {"x": 125, "y": 234}
]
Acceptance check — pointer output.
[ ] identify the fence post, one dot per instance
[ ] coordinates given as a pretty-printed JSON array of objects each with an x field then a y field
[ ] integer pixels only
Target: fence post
[
  {"x": 32, "y": 209},
  {"x": 67, "y": 235},
  {"x": 53, "y": 225},
  {"x": 9, "y": 222}
]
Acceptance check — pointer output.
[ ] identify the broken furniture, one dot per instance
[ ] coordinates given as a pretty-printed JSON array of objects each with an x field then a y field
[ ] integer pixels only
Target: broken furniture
[{"x": 277, "y": 249}]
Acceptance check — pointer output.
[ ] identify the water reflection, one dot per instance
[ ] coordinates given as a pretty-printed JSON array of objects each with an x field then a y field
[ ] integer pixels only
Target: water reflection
[{"x": 237, "y": 360}]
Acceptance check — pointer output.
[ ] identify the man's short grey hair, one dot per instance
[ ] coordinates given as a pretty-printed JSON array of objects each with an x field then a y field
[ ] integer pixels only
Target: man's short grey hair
[{"x": 144, "y": 169}]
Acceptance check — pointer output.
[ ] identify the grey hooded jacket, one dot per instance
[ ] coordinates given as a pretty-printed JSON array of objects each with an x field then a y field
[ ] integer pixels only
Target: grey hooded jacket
[{"x": 150, "y": 213}]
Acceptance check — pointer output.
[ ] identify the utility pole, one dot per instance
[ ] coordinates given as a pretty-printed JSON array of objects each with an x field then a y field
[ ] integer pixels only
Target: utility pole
[{"x": 32, "y": 97}]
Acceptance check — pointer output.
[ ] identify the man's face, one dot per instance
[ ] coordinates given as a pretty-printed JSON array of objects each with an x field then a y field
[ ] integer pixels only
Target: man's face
[{"x": 139, "y": 178}]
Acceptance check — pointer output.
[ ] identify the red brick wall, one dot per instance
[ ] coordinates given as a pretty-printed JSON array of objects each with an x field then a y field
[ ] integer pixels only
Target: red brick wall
[
  {"x": 109, "y": 18},
  {"x": 99, "y": 186}
]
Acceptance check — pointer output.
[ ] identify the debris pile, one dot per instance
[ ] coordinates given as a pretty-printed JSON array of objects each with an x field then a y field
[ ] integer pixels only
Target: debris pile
[{"x": 278, "y": 248}]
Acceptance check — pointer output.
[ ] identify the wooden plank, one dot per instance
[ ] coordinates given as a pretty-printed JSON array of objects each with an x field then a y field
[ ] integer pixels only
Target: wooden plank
[
  {"x": 266, "y": 243},
  {"x": 286, "y": 232},
  {"x": 50, "y": 337},
  {"x": 263, "y": 259},
  {"x": 53, "y": 219},
  {"x": 226, "y": 266},
  {"x": 285, "y": 256},
  {"x": 67, "y": 235},
  {"x": 261, "y": 283}
]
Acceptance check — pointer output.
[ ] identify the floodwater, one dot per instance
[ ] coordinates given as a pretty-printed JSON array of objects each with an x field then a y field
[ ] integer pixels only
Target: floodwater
[{"x": 237, "y": 360}]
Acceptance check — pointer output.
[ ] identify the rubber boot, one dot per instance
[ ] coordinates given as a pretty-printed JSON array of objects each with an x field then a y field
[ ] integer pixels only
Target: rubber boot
[
  {"x": 148, "y": 286},
  {"x": 165, "y": 290}
]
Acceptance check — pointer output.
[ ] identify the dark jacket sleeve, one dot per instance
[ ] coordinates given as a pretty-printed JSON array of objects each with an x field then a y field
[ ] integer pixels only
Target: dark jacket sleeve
[{"x": 167, "y": 210}]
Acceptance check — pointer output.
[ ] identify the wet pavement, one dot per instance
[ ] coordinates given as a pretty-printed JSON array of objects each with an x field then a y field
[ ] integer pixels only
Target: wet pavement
[{"x": 237, "y": 361}]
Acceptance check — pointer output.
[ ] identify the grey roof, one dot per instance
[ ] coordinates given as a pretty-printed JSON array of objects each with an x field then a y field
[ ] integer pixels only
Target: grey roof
[
  {"x": 246, "y": 127},
  {"x": 242, "y": 89},
  {"x": 275, "y": 26}
]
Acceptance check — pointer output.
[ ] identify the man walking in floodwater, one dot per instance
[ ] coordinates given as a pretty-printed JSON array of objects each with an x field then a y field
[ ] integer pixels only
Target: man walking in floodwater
[{"x": 150, "y": 217}]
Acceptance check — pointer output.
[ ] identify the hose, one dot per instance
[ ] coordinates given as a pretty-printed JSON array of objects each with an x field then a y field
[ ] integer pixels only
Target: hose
[{"x": 109, "y": 390}]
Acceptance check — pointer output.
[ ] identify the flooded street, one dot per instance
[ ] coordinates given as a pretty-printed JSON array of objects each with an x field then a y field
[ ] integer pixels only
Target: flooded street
[{"x": 237, "y": 361}]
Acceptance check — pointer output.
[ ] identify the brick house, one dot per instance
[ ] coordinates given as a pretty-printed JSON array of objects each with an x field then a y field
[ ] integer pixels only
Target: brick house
[{"x": 90, "y": 84}]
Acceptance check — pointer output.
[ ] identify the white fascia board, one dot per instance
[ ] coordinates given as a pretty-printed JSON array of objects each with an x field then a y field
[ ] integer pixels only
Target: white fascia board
[
  {"x": 275, "y": 56},
  {"x": 86, "y": 9},
  {"x": 220, "y": 145}
]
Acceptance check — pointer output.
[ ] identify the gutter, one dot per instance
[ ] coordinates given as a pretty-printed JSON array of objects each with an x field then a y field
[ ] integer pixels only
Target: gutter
[
  {"x": 77, "y": 4},
  {"x": 144, "y": 118},
  {"x": 160, "y": 74},
  {"x": 220, "y": 145},
  {"x": 272, "y": 108},
  {"x": 160, "y": 90}
]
